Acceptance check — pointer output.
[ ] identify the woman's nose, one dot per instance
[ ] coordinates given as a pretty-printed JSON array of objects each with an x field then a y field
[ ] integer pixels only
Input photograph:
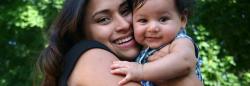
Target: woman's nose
[{"x": 122, "y": 24}]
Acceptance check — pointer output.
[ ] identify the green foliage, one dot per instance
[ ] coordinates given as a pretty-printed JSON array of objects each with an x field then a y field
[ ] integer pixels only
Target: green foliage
[
  {"x": 215, "y": 69},
  {"x": 224, "y": 40},
  {"x": 228, "y": 22},
  {"x": 246, "y": 78},
  {"x": 30, "y": 18},
  {"x": 23, "y": 34}
]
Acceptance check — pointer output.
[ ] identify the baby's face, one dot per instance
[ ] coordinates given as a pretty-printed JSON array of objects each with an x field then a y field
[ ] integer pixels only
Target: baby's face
[{"x": 156, "y": 23}]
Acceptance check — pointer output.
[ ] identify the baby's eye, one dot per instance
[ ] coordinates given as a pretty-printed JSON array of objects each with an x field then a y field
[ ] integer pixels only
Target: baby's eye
[
  {"x": 163, "y": 19},
  {"x": 104, "y": 20},
  {"x": 142, "y": 21}
]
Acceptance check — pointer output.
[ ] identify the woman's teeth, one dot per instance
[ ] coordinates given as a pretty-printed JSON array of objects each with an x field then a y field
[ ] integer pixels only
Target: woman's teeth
[{"x": 121, "y": 41}]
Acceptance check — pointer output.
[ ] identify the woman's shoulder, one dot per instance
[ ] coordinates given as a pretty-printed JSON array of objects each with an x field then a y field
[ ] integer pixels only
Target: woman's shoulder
[
  {"x": 92, "y": 65},
  {"x": 81, "y": 48},
  {"x": 92, "y": 68},
  {"x": 85, "y": 50}
]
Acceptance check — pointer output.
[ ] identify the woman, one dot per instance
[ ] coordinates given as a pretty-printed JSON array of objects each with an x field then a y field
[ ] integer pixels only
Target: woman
[{"x": 106, "y": 21}]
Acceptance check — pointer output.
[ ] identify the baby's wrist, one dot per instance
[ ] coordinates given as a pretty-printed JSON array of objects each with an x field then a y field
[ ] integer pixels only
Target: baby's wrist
[{"x": 142, "y": 71}]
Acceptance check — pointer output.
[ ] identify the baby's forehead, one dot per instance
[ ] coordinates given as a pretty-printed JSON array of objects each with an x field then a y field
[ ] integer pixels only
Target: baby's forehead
[{"x": 156, "y": 5}]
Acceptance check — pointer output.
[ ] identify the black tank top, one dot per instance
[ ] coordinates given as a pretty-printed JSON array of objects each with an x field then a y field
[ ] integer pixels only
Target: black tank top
[{"x": 74, "y": 54}]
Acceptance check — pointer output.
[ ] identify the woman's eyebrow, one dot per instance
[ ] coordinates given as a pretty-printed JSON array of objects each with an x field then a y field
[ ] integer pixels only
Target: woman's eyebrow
[
  {"x": 124, "y": 3},
  {"x": 100, "y": 12}
]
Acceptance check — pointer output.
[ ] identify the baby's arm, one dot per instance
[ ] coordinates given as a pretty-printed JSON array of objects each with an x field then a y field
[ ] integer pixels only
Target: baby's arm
[{"x": 178, "y": 62}]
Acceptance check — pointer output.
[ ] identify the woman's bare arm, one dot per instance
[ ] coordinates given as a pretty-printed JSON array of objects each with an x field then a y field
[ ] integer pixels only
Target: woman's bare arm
[{"x": 93, "y": 69}]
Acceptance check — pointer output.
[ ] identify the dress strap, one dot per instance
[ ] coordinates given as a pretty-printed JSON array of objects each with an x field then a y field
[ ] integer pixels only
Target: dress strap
[{"x": 183, "y": 34}]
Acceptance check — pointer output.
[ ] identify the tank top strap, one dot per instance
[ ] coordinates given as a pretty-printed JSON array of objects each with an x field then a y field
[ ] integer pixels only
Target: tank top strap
[{"x": 74, "y": 54}]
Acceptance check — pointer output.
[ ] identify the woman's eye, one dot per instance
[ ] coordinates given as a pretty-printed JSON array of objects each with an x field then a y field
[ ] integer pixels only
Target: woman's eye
[
  {"x": 104, "y": 20},
  {"x": 125, "y": 11},
  {"x": 163, "y": 19}
]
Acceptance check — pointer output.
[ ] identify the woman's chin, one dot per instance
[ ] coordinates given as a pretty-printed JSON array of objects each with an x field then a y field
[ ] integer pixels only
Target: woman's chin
[{"x": 129, "y": 54}]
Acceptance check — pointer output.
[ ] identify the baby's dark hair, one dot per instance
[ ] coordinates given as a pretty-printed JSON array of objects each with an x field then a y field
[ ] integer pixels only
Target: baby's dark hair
[{"x": 183, "y": 6}]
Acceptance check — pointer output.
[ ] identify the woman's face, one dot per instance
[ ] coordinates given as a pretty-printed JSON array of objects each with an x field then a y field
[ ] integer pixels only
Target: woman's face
[{"x": 110, "y": 22}]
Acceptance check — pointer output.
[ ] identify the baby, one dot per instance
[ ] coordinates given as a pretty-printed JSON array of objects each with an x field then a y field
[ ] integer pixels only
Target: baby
[{"x": 169, "y": 55}]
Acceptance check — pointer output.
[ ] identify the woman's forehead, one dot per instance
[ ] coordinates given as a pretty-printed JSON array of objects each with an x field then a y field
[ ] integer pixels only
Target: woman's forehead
[{"x": 99, "y": 5}]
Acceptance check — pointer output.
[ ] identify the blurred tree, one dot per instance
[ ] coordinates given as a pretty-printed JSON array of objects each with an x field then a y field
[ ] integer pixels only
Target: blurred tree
[
  {"x": 215, "y": 68},
  {"x": 228, "y": 21},
  {"x": 23, "y": 24},
  {"x": 220, "y": 28}
]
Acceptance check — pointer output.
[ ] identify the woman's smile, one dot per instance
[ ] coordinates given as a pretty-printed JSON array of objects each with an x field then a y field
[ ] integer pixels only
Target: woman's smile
[{"x": 125, "y": 42}]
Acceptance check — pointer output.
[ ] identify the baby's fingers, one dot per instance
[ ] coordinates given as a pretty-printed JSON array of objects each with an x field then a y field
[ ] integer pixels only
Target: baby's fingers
[
  {"x": 118, "y": 64},
  {"x": 119, "y": 71},
  {"x": 125, "y": 80}
]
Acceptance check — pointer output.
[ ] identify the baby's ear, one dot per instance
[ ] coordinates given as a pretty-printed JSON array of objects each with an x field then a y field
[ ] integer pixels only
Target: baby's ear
[
  {"x": 184, "y": 20},
  {"x": 184, "y": 14}
]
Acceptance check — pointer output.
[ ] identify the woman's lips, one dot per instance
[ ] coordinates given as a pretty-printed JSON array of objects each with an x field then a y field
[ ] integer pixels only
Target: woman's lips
[
  {"x": 127, "y": 42},
  {"x": 123, "y": 40}
]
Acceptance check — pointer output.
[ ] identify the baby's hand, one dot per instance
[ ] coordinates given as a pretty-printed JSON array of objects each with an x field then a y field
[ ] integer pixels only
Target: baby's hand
[{"x": 132, "y": 70}]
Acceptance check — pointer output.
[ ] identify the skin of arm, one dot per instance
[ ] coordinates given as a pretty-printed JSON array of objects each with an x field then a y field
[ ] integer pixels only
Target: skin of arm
[
  {"x": 93, "y": 69},
  {"x": 178, "y": 62}
]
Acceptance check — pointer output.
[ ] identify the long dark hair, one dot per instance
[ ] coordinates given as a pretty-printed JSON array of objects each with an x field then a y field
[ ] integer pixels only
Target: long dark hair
[{"x": 65, "y": 32}]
